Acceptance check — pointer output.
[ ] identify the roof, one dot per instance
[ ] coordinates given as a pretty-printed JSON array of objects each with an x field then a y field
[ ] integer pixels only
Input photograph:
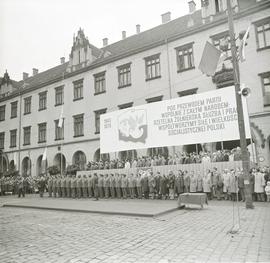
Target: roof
[{"x": 156, "y": 34}]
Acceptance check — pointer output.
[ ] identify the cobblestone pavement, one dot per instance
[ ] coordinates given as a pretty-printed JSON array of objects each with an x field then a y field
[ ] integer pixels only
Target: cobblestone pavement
[{"x": 190, "y": 235}]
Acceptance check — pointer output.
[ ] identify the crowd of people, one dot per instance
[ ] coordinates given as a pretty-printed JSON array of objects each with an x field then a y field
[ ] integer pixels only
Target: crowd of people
[
  {"x": 226, "y": 184},
  {"x": 158, "y": 160}
]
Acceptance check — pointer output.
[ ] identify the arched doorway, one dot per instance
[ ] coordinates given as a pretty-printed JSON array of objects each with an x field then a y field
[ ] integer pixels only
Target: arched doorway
[
  {"x": 158, "y": 151},
  {"x": 3, "y": 163},
  {"x": 79, "y": 158},
  {"x": 103, "y": 157},
  {"x": 12, "y": 165},
  {"x": 41, "y": 166},
  {"x": 60, "y": 162},
  {"x": 26, "y": 166},
  {"x": 130, "y": 155}
]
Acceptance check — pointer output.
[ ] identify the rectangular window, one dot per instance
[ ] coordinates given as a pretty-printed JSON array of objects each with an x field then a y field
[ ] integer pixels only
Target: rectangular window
[
  {"x": 27, "y": 105},
  {"x": 100, "y": 84},
  {"x": 187, "y": 92},
  {"x": 222, "y": 42},
  {"x": 13, "y": 138},
  {"x": 152, "y": 67},
  {"x": 42, "y": 132},
  {"x": 78, "y": 125},
  {"x": 97, "y": 119},
  {"x": 265, "y": 77},
  {"x": 2, "y": 112},
  {"x": 59, "y": 131},
  {"x": 2, "y": 140},
  {"x": 262, "y": 29},
  {"x": 42, "y": 100},
  {"x": 59, "y": 96},
  {"x": 26, "y": 135},
  {"x": 78, "y": 89},
  {"x": 124, "y": 75},
  {"x": 185, "y": 57},
  {"x": 14, "y": 108}
]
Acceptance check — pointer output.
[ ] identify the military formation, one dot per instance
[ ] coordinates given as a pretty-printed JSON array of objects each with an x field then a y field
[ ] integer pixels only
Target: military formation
[{"x": 226, "y": 184}]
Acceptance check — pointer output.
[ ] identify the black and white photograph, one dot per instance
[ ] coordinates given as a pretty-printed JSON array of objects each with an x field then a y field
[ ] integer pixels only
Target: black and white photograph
[{"x": 134, "y": 131}]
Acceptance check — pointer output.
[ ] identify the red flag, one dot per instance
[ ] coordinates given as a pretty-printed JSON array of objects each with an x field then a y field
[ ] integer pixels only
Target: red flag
[{"x": 210, "y": 59}]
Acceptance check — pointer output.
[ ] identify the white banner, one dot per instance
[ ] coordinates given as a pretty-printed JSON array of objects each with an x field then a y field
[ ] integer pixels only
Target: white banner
[{"x": 206, "y": 117}]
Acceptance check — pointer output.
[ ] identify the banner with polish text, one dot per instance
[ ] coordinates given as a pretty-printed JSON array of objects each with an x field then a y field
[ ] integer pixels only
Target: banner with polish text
[{"x": 201, "y": 118}]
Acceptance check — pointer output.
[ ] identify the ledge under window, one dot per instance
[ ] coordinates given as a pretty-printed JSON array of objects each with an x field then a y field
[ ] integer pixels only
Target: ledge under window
[
  {"x": 80, "y": 135},
  {"x": 101, "y": 92},
  {"x": 55, "y": 105},
  {"x": 12, "y": 146},
  {"x": 41, "y": 141},
  {"x": 42, "y": 109},
  {"x": 78, "y": 99},
  {"x": 124, "y": 86},
  {"x": 58, "y": 139},
  {"x": 25, "y": 144},
  {"x": 13, "y": 117},
  {"x": 27, "y": 113},
  {"x": 157, "y": 77},
  {"x": 263, "y": 48},
  {"x": 185, "y": 69},
  {"x": 97, "y": 132}
]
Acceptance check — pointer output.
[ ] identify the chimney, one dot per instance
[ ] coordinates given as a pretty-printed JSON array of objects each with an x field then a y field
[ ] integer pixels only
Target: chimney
[
  {"x": 35, "y": 71},
  {"x": 25, "y": 75},
  {"x": 62, "y": 60},
  {"x": 166, "y": 17},
  {"x": 138, "y": 29},
  {"x": 124, "y": 34},
  {"x": 192, "y": 6},
  {"x": 105, "y": 42}
]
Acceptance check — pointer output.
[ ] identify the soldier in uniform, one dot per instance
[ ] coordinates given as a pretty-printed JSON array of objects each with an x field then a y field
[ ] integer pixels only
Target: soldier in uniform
[
  {"x": 90, "y": 185},
  {"x": 54, "y": 185},
  {"x": 100, "y": 186},
  {"x": 59, "y": 185},
  {"x": 124, "y": 184},
  {"x": 41, "y": 185},
  {"x": 73, "y": 186},
  {"x": 21, "y": 186},
  {"x": 84, "y": 186},
  {"x": 95, "y": 185},
  {"x": 118, "y": 185},
  {"x": 79, "y": 186},
  {"x": 129, "y": 186},
  {"x": 68, "y": 185},
  {"x": 50, "y": 185},
  {"x": 107, "y": 186},
  {"x": 145, "y": 188},
  {"x": 139, "y": 185},
  {"x": 63, "y": 186},
  {"x": 112, "y": 186}
]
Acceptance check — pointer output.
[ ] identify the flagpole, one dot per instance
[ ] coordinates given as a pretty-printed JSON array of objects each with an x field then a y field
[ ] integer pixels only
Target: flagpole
[{"x": 241, "y": 123}]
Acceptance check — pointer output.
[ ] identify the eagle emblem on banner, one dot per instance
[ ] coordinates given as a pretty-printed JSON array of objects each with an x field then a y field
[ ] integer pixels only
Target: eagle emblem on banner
[{"x": 132, "y": 126}]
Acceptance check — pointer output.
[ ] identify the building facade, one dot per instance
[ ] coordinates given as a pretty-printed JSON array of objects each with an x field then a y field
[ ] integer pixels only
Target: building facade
[{"x": 157, "y": 64}]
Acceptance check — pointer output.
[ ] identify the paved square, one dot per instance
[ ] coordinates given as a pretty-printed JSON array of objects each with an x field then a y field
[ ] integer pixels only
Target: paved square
[{"x": 191, "y": 235}]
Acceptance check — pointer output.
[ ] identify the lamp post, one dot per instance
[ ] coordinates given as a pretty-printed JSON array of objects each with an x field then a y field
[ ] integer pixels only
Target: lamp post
[{"x": 241, "y": 123}]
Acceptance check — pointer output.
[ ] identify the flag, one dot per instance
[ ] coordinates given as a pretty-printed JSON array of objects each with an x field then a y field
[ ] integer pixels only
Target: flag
[
  {"x": 61, "y": 118},
  {"x": 210, "y": 58},
  {"x": 242, "y": 46},
  {"x": 44, "y": 156}
]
